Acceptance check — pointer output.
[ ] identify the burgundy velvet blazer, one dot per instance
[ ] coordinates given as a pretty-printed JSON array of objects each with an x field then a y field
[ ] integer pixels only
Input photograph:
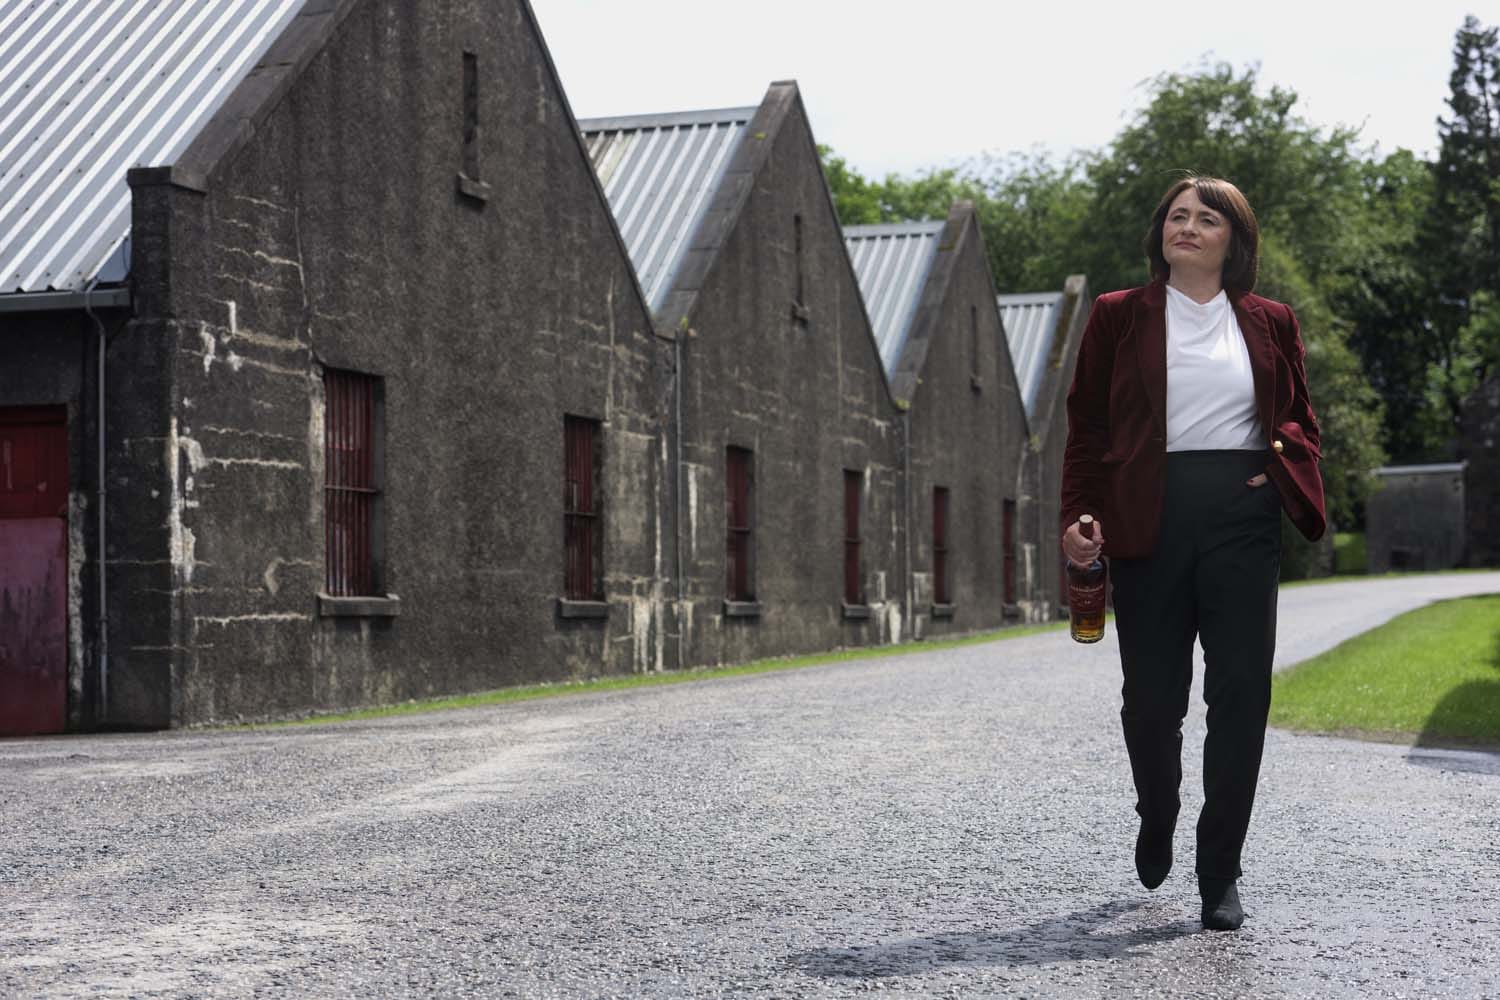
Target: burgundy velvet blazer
[{"x": 1115, "y": 462}]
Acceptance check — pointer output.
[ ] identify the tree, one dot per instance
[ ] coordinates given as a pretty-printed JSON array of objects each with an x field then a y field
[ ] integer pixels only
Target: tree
[
  {"x": 1385, "y": 293},
  {"x": 1313, "y": 191},
  {"x": 1460, "y": 239}
]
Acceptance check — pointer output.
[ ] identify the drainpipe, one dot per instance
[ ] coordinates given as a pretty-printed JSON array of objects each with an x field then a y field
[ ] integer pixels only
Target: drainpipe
[
  {"x": 910, "y": 600},
  {"x": 99, "y": 498},
  {"x": 677, "y": 492}
]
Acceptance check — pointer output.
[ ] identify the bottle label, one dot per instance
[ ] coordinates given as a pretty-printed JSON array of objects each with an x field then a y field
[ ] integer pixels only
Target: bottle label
[{"x": 1086, "y": 599}]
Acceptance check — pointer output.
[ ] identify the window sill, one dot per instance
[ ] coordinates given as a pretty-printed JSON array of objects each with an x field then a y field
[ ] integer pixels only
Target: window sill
[
  {"x": 470, "y": 188},
  {"x": 856, "y": 612},
  {"x": 388, "y": 606},
  {"x": 741, "y": 609},
  {"x": 571, "y": 609},
  {"x": 943, "y": 610}
]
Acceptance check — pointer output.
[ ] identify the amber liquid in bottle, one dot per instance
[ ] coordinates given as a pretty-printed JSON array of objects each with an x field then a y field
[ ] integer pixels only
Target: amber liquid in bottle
[{"x": 1086, "y": 589}]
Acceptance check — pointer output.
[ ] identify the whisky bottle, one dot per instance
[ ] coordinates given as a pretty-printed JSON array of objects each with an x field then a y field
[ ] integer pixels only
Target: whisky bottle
[{"x": 1086, "y": 589}]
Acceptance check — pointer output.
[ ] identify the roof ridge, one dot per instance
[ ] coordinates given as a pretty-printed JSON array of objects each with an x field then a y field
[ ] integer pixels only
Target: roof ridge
[
  {"x": 667, "y": 119},
  {"x": 926, "y": 227}
]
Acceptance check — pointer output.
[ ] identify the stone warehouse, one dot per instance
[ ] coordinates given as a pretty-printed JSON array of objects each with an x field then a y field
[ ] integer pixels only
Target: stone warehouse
[
  {"x": 1043, "y": 331},
  {"x": 295, "y": 417},
  {"x": 931, "y": 298}
]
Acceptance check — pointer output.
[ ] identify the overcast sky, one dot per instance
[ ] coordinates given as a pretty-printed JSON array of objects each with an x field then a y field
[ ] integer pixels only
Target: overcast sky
[{"x": 903, "y": 87}]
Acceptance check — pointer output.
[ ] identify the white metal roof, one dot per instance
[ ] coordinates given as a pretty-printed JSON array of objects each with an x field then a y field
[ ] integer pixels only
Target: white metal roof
[
  {"x": 660, "y": 173},
  {"x": 1030, "y": 326},
  {"x": 1435, "y": 469},
  {"x": 892, "y": 263},
  {"x": 91, "y": 88}
]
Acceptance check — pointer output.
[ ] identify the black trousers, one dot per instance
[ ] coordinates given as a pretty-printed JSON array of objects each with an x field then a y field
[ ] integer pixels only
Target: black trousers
[{"x": 1212, "y": 577}]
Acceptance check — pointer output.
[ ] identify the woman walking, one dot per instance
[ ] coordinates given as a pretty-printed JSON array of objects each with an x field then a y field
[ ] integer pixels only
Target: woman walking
[{"x": 1189, "y": 432}]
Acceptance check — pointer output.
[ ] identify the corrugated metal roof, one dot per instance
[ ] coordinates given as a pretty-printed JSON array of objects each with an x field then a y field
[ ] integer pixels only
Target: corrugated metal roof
[
  {"x": 91, "y": 88},
  {"x": 660, "y": 172},
  {"x": 892, "y": 263},
  {"x": 1030, "y": 326}
]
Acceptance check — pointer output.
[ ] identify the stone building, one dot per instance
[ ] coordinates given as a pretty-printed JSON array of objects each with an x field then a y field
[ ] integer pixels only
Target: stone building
[
  {"x": 931, "y": 299},
  {"x": 1415, "y": 518},
  {"x": 1479, "y": 446},
  {"x": 1044, "y": 330},
  {"x": 380, "y": 419},
  {"x": 296, "y": 417},
  {"x": 786, "y": 460}
]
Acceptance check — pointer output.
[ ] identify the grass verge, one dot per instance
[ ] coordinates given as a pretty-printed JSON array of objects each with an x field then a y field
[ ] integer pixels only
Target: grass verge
[
  {"x": 534, "y": 691},
  {"x": 1430, "y": 676}
]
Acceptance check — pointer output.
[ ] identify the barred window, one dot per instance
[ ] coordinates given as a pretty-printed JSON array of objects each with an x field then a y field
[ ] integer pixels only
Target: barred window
[
  {"x": 583, "y": 524},
  {"x": 739, "y": 583},
  {"x": 853, "y": 583},
  {"x": 940, "y": 594},
  {"x": 1008, "y": 540},
  {"x": 352, "y": 479}
]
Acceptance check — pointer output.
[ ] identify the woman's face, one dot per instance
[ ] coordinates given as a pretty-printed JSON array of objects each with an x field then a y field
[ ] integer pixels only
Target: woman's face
[{"x": 1194, "y": 236}]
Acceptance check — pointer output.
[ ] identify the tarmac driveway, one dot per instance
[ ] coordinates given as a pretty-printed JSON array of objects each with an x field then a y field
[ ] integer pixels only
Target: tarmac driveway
[{"x": 948, "y": 823}]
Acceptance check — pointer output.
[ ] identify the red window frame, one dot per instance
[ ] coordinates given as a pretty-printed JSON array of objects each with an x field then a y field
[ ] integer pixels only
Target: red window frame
[
  {"x": 583, "y": 525},
  {"x": 940, "y": 593},
  {"x": 853, "y": 491},
  {"x": 1008, "y": 542},
  {"x": 351, "y": 487},
  {"x": 739, "y": 488}
]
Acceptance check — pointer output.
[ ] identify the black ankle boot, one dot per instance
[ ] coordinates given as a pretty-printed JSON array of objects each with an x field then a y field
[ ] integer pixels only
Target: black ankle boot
[
  {"x": 1221, "y": 904},
  {"x": 1153, "y": 852}
]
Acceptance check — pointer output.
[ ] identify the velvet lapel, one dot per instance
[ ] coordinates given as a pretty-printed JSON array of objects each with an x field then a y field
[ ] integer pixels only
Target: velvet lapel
[
  {"x": 1151, "y": 347},
  {"x": 1257, "y": 333}
]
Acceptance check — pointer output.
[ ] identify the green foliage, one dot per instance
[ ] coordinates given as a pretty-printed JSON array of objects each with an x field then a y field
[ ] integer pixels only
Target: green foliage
[
  {"x": 1349, "y": 554},
  {"x": 1383, "y": 292},
  {"x": 1459, "y": 238}
]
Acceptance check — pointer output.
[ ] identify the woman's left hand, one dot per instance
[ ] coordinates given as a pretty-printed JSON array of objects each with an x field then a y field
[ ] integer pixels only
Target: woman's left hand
[{"x": 1259, "y": 479}]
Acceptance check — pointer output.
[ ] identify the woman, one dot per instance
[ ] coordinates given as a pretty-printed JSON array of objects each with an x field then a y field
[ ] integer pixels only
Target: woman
[{"x": 1189, "y": 431}]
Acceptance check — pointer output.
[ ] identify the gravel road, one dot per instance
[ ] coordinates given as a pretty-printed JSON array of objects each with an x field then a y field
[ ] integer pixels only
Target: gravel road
[{"x": 947, "y": 823}]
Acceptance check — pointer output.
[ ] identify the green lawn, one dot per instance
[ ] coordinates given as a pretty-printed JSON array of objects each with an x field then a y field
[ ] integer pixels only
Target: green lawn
[{"x": 1429, "y": 676}]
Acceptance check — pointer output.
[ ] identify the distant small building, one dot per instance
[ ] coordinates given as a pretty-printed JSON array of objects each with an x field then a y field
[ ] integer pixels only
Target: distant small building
[
  {"x": 1479, "y": 446},
  {"x": 1415, "y": 519}
]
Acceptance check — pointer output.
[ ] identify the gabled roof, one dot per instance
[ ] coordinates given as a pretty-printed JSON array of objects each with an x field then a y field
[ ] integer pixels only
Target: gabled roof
[
  {"x": 660, "y": 173},
  {"x": 892, "y": 263},
  {"x": 91, "y": 88},
  {"x": 1030, "y": 326}
]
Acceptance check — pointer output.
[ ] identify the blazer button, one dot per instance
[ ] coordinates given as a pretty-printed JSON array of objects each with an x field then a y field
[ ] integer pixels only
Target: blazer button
[{"x": 1276, "y": 447}]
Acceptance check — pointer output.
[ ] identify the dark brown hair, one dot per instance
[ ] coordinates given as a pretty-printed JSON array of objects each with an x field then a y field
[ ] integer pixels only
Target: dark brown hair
[{"x": 1243, "y": 259}]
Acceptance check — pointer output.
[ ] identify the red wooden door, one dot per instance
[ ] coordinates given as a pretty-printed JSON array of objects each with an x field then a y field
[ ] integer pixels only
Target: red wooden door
[{"x": 33, "y": 570}]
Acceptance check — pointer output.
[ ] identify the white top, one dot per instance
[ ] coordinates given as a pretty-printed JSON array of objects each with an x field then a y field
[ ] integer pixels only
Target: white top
[{"x": 1210, "y": 389}]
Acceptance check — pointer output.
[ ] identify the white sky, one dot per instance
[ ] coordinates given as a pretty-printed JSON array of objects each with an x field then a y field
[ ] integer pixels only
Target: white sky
[{"x": 902, "y": 87}]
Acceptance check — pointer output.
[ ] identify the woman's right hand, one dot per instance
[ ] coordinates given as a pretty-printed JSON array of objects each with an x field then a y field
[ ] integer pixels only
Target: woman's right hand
[{"x": 1081, "y": 551}]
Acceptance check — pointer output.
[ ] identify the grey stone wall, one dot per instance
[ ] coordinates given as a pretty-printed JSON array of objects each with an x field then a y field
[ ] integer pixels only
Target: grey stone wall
[
  {"x": 968, "y": 433},
  {"x": 339, "y": 237},
  {"x": 1415, "y": 520},
  {"x": 808, "y": 398}
]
